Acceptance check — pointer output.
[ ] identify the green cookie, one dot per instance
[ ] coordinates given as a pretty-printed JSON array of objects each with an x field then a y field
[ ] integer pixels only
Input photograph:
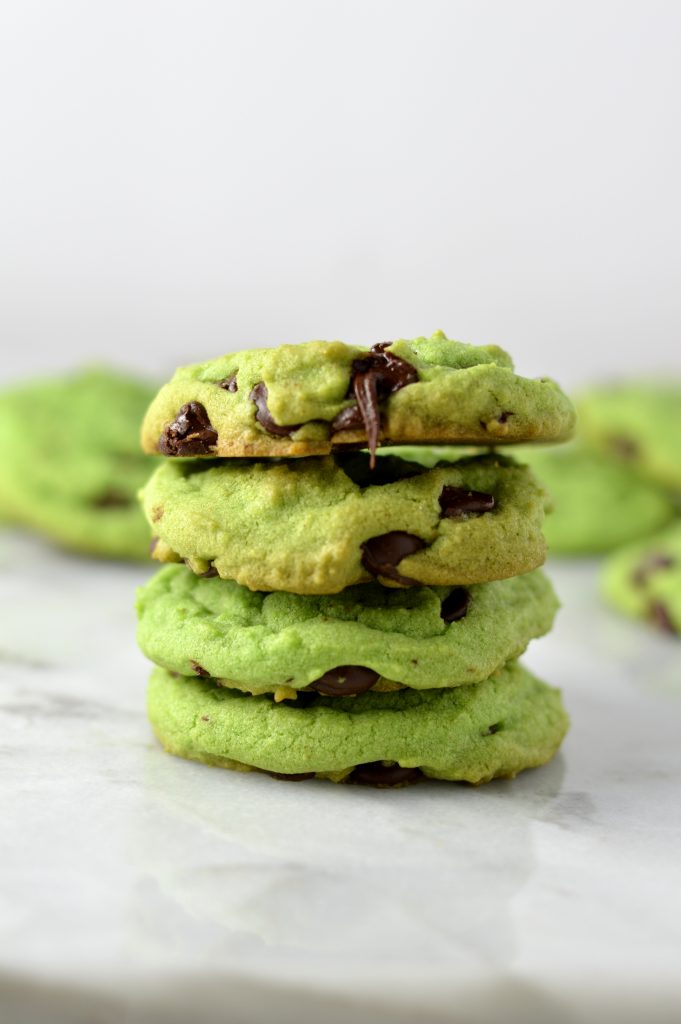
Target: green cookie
[
  {"x": 301, "y": 400},
  {"x": 473, "y": 734},
  {"x": 644, "y": 580},
  {"x": 314, "y": 526},
  {"x": 598, "y": 503},
  {"x": 637, "y": 423},
  {"x": 70, "y": 465},
  {"x": 422, "y": 638}
]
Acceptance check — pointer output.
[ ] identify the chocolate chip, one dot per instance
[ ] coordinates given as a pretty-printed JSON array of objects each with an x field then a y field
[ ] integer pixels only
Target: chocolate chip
[
  {"x": 381, "y": 555},
  {"x": 208, "y": 574},
  {"x": 112, "y": 499},
  {"x": 504, "y": 417},
  {"x": 262, "y": 414},
  {"x": 156, "y": 513},
  {"x": 389, "y": 469},
  {"x": 205, "y": 718},
  {"x": 648, "y": 566},
  {"x": 455, "y": 605},
  {"x": 660, "y": 617},
  {"x": 623, "y": 447},
  {"x": 199, "y": 669},
  {"x": 300, "y": 777},
  {"x": 459, "y": 503},
  {"x": 375, "y": 773},
  {"x": 345, "y": 681},
  {"x": 229, "y": 384},
  {"x": 190, "y": 433},
  {"x": 491, "y": 729},
  {"x": 372, "y": 378}
]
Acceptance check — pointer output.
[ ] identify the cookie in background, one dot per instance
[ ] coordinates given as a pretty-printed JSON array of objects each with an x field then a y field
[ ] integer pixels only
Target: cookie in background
[
  {"x": 643, "y": 580},
  {"x": 70, "y": 467}
]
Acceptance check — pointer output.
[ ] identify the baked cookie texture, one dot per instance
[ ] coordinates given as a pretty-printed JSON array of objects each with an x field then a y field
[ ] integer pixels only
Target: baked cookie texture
[
  {"x": 638, "y": 423},
  {"x": 422, "y": 638},
  {"x": 315, "y": 526},
  {"x": 598, "y": 503},
  {"x": 302, "y": 400},
  {"x": 492, "y": 729},
  {"x": 71, "y": 467},
  {"x": 643, "y": 580}
]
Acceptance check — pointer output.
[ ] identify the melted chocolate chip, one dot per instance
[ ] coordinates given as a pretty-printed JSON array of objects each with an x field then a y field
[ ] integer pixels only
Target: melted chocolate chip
[
  {"x": 653, "y": 563},
  {"x": 112, "y": 499},
  {"x": 459, "y": 503},
  {"x": 375, "y": 773},
  {"x": 262, "y": 414},
  {"x": 300, "y": 777},
  {"x": 455, "y": 605},
  {"x": 190, "y": 433},
  {"x": 660, "y": 617},
  {"x": 345, "y": 681},
  {"x": 228, "y": 384},
  {"x": 381, "y": 555},
  {"x": 199, "y": 669},
  {"x": 372, "y": 378}
]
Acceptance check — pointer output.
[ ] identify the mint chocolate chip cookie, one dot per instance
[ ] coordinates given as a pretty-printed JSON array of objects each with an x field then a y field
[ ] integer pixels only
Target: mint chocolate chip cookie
[
  {"x": 315, "y": 526},
  {"x": 598, "y": 504},
  {"x": 644, "y": 580},
  {"x": 367, "y": 637},
  {"x": 71, "y": 466},
  {"x": 638, "y": 423},
  {"x": 495, "y": 728},
  {"x": 301, "y": 400}
]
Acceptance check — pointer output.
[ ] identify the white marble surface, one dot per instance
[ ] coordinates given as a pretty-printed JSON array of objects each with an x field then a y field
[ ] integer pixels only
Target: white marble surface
[{"x": 136, "y": 887}]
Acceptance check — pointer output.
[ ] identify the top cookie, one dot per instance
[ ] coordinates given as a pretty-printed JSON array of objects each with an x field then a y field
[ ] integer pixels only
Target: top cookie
[
  {"x": 638, "y": 423},
  {"x": 300, "y": 400}
]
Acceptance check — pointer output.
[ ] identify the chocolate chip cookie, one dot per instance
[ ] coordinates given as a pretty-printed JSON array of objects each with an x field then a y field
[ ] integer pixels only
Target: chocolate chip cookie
[
  {"x": 644, "y": 580},
  {"x": 495, "y": 728},
  {"x": 638, "y": 423},
  {"x": 71, "y": 466},
  {"x": 316, "y": 526},
  {"x": 367, "y": 637},
  {"x": 309, "y": 399}
]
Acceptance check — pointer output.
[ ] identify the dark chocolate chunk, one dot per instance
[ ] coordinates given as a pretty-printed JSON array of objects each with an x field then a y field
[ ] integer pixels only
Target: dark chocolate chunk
[
  {"x": 112, "y": 499},
  {"x": 389, "y": 469},
  {"x": 491, "y": 729},
  {"x": 199, "y": 669},
  {"x": 459, "y": 503},
  {"x": 300, "y": 777},
  {"x": 455, "y": 605},
  {"x": 375, "y": 773},
  {"x": 660, "y": 617},
  {"x": 503, "y": 417},
  {"x": 157, "y": 513},
  {"x": 228, "y": 384},
  {"x": 262, "y": 414},
  {"x": 653, "y": 563},
  {"x": 372, "y": 378},
  {"x": 190, "y": 433},
  {"x": 345, "y": 681},
  {"x": 381, "y": 555}
]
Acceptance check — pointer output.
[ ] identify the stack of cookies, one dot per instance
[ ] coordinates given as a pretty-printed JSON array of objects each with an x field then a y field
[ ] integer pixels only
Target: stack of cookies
[{"x": 334, "y": 610}]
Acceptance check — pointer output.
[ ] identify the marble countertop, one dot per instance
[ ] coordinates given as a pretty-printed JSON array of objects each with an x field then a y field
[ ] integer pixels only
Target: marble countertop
[{"x": 137, "y": 887}]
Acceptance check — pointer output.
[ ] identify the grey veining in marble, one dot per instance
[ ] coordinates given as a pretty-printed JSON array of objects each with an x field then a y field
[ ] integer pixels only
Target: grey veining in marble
[{"x": 139, "y": 887}]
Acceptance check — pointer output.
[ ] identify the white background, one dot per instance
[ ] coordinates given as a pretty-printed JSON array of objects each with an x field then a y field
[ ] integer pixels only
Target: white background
[{"x": 179, "y": 179}]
